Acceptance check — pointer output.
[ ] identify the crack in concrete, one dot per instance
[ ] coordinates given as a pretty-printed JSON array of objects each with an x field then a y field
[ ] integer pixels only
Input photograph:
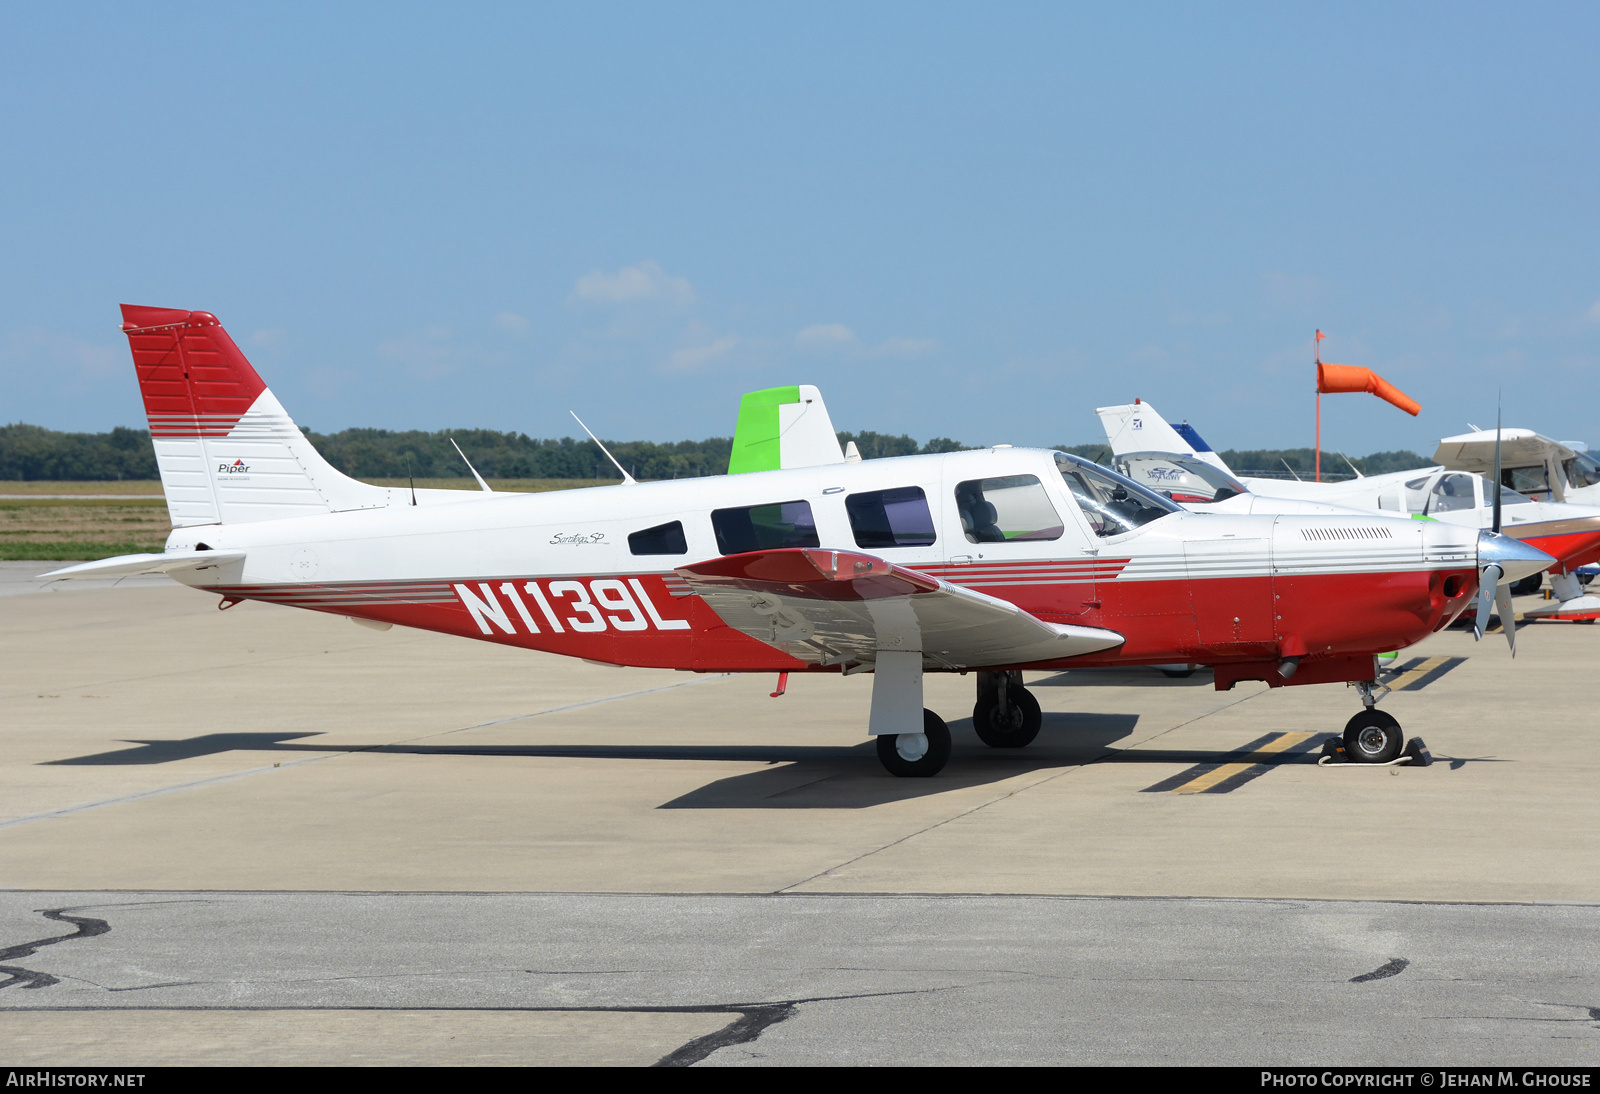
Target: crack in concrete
[
  {"x": 16, "y": 974},
  {"x": 750, "y": 1025},
  {"x": 1393, "y": 967}
]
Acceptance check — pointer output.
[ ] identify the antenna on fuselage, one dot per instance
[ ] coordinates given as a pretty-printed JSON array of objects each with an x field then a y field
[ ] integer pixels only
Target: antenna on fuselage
[
  {"x": 1289, "y": 469},
  {"x": 474, "y": 470},
  {"x": 413, "y": 479},
  {"x": 1351, "y": 466},
  {"x": 627, "y": 479}
]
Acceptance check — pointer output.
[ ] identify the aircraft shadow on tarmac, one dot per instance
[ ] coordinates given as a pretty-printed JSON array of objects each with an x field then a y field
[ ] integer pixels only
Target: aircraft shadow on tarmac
[{"x": 797, "y": 776}]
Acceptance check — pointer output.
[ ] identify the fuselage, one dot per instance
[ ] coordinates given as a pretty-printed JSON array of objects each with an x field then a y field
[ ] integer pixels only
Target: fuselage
[
  {"x": 1568, "y": 532},
  {"x": 591, "y": 573}
]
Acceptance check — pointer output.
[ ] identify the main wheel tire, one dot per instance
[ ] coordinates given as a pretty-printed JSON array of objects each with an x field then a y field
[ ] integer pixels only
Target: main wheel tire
[
  {"x": 1177, "y": 674},
  {"x": 1014, "y": 727},
  {"x": 1373, "y": 737},
  {"x": 1528, "y": 585},
  {"x": 899, "y": 755}
]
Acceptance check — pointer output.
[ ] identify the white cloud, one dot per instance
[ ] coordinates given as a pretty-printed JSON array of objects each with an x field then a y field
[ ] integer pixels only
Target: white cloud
[
  {"x": 511, "y": 322},
  {"x": 268, "y": 336},
  {"x": 38, "y": 348},
  {"x": 838, "y": 338},
  {"x": 704, "y": 347},
  {"x": 645, "y": 283},
  {"x": 1593, "y": 314},
  {"x": 827, "y": 336}
]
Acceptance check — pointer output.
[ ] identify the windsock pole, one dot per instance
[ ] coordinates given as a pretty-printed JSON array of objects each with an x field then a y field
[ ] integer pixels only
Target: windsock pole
[{"x": 1318, "y": 357}]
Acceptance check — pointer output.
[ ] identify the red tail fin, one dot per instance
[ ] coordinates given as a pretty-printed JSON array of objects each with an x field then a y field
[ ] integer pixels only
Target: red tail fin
[{"x": 195, "y": 381}]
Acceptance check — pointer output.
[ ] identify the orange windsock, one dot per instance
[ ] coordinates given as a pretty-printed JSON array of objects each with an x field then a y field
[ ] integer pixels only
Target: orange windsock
[{"x": 1338, "y": 379}]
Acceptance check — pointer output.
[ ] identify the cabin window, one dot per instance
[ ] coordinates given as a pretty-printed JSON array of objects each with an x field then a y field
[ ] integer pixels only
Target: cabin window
[
  {"x": 1582, "y": 470},
  {"x": 1007, "y": 509},
  {"x": 663, "y": 539},
  {"x": 1416, "y": 496},
  {"x": 1112, "y": 504},
  {"x": 891, "y": 518},
  {"x": 1452, "y": 493},
  {"x": 765, "y": 527}
]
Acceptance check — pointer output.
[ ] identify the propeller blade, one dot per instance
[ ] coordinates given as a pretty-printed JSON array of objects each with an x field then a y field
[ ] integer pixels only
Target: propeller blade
[
  {"x": 1488, "y": 581},
  {"x": 1508, "y": 618},
  {"x": 1496, "y": 526}
]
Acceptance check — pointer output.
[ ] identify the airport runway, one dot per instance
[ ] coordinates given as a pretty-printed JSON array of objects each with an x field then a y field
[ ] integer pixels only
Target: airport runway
[{"x": 309, "y": 841}]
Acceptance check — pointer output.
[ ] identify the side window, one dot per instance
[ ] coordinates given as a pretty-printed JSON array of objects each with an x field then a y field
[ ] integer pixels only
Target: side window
[
  {"x": 663, "y": 539},
  {"x": 891, "y": 518},
  {"x": 1452, "y": 492},
  {"x": 1002, "y": 510},
  {"x": 1416, "y": 495},
  {"x": 765, "y": 527}
]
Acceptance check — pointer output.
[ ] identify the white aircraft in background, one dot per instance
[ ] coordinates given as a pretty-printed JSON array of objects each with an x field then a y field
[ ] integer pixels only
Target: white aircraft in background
[
  {"x": 1530, "y": 463},
  {"x": 1175, "y": 461},
  {"x": 987, "y": 561}
]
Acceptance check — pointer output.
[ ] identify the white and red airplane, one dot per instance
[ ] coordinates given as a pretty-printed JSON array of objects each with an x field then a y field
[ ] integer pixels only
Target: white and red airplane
[
  {"x": 1176, "y": 461},
  {"x": 1531, "y": 463},
  {"x": 988, "y": 561}
]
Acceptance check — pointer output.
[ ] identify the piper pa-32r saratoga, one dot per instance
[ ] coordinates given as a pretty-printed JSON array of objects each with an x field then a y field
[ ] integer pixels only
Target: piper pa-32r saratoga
[{"x": 988, "y": 561}]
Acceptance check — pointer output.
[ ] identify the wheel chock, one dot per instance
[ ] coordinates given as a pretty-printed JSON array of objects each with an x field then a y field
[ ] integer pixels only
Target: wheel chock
[{"x": 1333, "y": 755}]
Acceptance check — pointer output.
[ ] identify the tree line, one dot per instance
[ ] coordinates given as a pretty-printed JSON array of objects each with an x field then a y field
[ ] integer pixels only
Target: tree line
[{"x": 33, "y": 452}]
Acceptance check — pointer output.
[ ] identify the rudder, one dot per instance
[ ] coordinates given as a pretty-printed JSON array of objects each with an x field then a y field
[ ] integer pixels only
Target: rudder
[{"x": 226, "y": 449}]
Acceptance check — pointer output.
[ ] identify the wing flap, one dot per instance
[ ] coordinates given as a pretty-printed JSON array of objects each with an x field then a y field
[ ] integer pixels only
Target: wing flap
[{"x": 833, "y": 607}]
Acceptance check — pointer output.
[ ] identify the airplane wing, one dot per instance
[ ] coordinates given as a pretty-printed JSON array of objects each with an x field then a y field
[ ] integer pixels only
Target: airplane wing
[
  {"x": 167, "y": 562},
  {"x": 1518, "y": 448},
  {"x": 836, "y": 607}
]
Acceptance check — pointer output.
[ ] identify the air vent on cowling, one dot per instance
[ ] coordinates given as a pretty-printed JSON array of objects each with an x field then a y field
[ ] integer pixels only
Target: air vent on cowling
[{"x": 1346, "y": 532}]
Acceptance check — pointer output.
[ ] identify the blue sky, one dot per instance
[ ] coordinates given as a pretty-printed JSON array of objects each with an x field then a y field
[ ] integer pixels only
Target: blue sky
[{"x": 975, "y": 221}]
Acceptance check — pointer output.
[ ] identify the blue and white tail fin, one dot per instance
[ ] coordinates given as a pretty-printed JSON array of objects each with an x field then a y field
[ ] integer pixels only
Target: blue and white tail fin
[{"x": 1136, "y": 427}]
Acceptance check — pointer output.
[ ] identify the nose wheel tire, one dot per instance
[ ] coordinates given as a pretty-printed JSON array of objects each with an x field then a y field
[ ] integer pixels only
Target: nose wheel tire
[
  {"x": 1373, "y": 737},
  {"x": 1012, "y": 726},
  {"x": 916, "y": 755}
]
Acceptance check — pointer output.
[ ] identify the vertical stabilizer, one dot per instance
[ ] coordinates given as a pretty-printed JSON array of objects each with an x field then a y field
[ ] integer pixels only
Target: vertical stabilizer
[
  {"x": 783, "y": 427},
  {"x": 1136, "y": 427},
  {"x": 226, "y": 448}
]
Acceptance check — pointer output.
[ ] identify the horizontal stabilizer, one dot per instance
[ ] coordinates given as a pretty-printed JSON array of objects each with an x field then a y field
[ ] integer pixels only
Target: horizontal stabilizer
[
  {"x": 169, "y": 562},
  {"x": 838, "y": 607}
]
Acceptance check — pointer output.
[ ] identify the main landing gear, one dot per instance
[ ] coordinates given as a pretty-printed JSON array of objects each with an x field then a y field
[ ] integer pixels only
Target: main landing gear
[
  {"x": 914, "y": 755},
  {"x": 909, "y": 746},
  {"x": 1006, "y": 714}
]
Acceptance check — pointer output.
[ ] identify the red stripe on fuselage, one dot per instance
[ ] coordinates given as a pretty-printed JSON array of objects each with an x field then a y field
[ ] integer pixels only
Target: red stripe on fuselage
[{"x": 635, "y": 619}]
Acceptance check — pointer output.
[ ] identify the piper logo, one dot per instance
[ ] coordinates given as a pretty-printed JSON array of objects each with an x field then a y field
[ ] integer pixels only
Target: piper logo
[{"x": 237, "y": 467}]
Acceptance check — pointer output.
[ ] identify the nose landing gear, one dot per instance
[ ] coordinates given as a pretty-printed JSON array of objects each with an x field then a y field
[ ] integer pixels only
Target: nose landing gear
[{"x": 1374, "y": 737}]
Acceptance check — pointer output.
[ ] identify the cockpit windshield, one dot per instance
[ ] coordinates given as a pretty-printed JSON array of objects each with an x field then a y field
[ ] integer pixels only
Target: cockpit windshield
[
  {"x": 1113, "y": 504},
  {"x": 1179, "y": 477},
  {"x": 1582, "y": 470}
]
